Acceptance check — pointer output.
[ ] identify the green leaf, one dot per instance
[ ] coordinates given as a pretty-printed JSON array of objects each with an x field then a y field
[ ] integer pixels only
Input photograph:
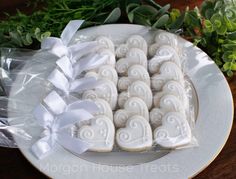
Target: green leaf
[
  {"x": 227, "y": 66},
  {"x": 130, "y": 7},
  {"x": 45, "y": 35},
  {"x": 231, "y": 36},
  {"x": 208, "y": 26},
  {"x": 178, "y": 23},
  {"x": 147, "y": 11},
  {"x": 163, "y": 10},
  {"x": 139, "y": 19},
  {"x": 162, "y": 21},
  {"x": 174, "y": 14},
  {"x": 16, "y": 38},
  {"x": 113, "y": 16},
  {"x": 230, "y": 73},
  {"x": 153, "y": 3},
  {"x": 28, "y": 39}
]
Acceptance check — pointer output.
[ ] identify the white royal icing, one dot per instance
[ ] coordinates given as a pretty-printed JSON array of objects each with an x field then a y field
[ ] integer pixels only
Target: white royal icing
[
  {"x": 168, "y": 103},
  {"x": 105, "y": 43},
  {"x": 100, "y": 134},
  {"x": 141, "y": 90},
  {"x": 106, "y": 90},
  {"x": 133, "y": 106},
  {"x": 164, "y": 53},
  {"x": 135, "y": 41},
  {"x": 135, "y": 72},
  {"x": 168, "y": 71},
  {"x": 133, "y": 56},
  {"x": 174, "y": 88},
  {"x": 163, "y": 38},
  {"x": 174, "y": 132},
  {"x": 122, "y": 98},
  {"x": 136, "y": 136},
  {"x": 103, "y": 108},
  {"x": 104, "y": 72}
]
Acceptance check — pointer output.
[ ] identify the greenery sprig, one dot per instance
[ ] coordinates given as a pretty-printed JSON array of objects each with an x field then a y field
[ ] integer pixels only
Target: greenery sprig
[{"x": 212, "y": 28}]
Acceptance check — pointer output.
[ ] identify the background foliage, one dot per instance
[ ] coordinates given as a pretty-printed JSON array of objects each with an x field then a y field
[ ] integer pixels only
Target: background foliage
[{"x": 212, "y": 28}]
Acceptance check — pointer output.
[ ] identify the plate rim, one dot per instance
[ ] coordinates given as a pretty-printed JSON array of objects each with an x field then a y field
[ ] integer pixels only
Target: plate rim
[{"x": 227, "y": 135}]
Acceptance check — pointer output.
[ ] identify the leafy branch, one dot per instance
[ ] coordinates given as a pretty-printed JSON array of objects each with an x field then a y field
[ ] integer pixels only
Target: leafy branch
[{"x": 212, "y": 28}]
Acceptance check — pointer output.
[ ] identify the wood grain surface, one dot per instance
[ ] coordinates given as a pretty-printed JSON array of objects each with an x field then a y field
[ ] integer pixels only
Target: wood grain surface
[{"x": 14, "y": 165}]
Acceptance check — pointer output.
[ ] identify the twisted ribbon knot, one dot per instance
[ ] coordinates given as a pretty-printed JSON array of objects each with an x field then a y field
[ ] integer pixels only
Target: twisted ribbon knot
[
  {"x": 54, "y": 125},
  {"x": 73, "y": 60}
]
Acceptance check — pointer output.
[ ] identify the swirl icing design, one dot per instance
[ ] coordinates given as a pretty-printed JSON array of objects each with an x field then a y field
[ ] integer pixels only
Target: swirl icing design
[
  {"x": 135, "y": 72},
  {"x": 168, "y": 103},
  {"x": 104, "y": 72},
  {"x": 133, "y": 106},
  {"x": 141, "y": 90},
  {"x": 106, "y": 90},
  {"x": 133, "y": 56},
  {"x": 174, "y": 88},
  {"x": 105, "y": 43},
  {"x": 168, "y": 71},
  {"x": 164, "y": 53},
  {"x": 136, "y": 136},
  {"x": 174, "y": 132},
  {"x": 163, "y": 38},
  {"x": 104, "y": 108},
  {"x": 134, "y": 41},
  {"x": 100, "y": 134}
]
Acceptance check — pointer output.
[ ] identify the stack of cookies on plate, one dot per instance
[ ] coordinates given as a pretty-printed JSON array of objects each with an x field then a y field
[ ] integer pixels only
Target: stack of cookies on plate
[{"x": 141, "y": 97}]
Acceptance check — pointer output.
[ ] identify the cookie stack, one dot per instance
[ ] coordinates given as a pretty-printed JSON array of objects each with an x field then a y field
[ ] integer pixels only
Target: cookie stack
[{"x": 140, "y": 101}]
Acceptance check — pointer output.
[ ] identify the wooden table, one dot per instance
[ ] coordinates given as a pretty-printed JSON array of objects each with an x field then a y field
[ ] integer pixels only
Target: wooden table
[{"x": 14, "y": 165}]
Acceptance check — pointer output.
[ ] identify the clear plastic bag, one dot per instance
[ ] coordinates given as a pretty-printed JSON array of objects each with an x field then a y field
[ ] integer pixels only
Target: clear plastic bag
[{"x": 25, "y": 83}]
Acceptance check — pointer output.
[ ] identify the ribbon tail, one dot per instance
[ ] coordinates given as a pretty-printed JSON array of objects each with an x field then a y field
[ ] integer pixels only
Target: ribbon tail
[
  {"x": 43, "y": 116},
  {"x": 59, "y": 80},
  {"x": 55, "y": 102},
  {"x": 83, "y": 84},
  {"x": 65, "y": 65},
  {"x": 70, "y": 30},
  {"x": 81, "y": 49},
  {"x": 90, "y": 62},
  {"x": 69, "y": 118},
  {"x": 87, "y": 105},
  {"x": 74, "y": 145},
  {"x": 42, "y": 147}
]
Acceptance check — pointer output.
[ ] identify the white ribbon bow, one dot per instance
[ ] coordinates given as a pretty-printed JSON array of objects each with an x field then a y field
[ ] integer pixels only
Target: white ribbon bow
[
  {"x": 73, "y": 60},
  {"x": 54, "y": 125}
]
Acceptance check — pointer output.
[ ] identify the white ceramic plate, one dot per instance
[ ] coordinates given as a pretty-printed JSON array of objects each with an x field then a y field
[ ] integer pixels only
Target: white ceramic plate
[{"x": 214, "y": 120}]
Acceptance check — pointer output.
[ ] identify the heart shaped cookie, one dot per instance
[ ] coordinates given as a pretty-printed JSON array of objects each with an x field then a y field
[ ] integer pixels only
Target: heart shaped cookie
[
  {"x": 168, "y": 103},
  {"x": 100, "y": 134},
  {"x": 168, "y": 71},
  {"x": 164, "y": 53},
  {"x": 104, "y": 108},
  {"x": 136, "y": 136},
  {"x": 106, "y": 90},
  {"x": 133, "y": 56},
  {"x": 174, "y": 88},
  {"x": 106, "y": 43},
  {"x": 135, "y": 72},
  {"x": 104, "y": 72},
  {"x": 134, "y": 41},
  {"x": 111, "y": 60},
  {"x": 174, "y": 132},
  {"x": 133, "y": 106},
  {"x": 122, "y": 98},
  {"x": 163, "y": 38},
  {"x": 141, "y": 90}
]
